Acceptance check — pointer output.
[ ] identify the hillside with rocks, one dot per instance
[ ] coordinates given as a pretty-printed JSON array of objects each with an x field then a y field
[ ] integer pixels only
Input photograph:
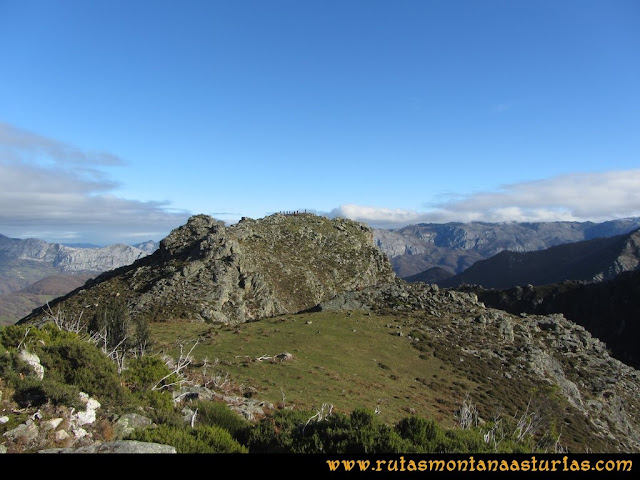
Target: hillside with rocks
[
  {"x": 15, "y": 305},
  {"x": 609, "y": 310},
  {"x": 206, "y": 271},
  {"x": 454, "y": 247},
  {"x": 513, "y": 351}
]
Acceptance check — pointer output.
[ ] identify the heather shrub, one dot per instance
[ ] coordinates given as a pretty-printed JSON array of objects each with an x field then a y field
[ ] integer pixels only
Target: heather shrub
[
  {"x": 34, "y": 392},
  {"x": 219, "y": 414},
  {"x": 298, "y": 432},
  {"x": 71, "y": 365},
  {"x": 201, "y": 439},
  {"x": 143, "y": 373}
]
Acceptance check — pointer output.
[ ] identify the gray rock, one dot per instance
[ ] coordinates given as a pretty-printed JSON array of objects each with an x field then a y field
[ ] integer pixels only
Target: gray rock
[
  {"x": 129, "y": 423},
  {"x": 120, "y": 446},
  {"x": 33, "y": 361},
  {"x": 25, "y": 433}
]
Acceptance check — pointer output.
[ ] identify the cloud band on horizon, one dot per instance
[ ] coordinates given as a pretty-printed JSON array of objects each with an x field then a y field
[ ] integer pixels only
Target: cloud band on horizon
[{"x": 594, "y": 196}]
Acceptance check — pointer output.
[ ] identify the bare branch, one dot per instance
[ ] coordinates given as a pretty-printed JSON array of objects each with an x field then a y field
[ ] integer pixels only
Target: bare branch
[
  {"x": 183, "y": 362},
  {"x": 467, "y": 415},
  {"x": 73, "y": 324},
  {"x": 321, "y": 414}
]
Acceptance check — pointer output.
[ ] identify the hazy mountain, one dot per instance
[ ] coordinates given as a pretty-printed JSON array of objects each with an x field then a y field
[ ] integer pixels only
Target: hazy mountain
[
  {"x": 456, "y": 246},
  {"x": 589, "y": 261},
  {"x": 435, "y": 275},
  {"x": 149, "y": 246},
  {"x": 52, "y": 269},
  {"x": 17, "y": 304},
  {"x": 64, "y": 258}
]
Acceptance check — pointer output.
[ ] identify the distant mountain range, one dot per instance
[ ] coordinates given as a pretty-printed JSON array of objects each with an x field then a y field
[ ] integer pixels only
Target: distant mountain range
[
  {"x": 587, "y": 261},
  {"x": 441, "y": 254},
  {"x": 33, "y": 271},
  {"x": 454, "y": 247},
  {"x": 64, "y": 258}
]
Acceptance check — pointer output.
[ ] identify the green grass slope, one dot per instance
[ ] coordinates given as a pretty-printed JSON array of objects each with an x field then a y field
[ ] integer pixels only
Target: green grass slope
[{"x": 395, "y": 364}]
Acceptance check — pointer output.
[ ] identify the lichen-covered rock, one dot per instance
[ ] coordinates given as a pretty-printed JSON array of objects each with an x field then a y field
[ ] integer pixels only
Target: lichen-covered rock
[
  {"x": 206, "y": 271},
  {"x": 129, "y": 423},
  {"x": 33, "y": 361},
  {"x": 120, "y": 446}
]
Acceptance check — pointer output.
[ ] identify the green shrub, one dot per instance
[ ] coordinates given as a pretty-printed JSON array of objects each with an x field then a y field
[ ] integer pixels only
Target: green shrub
[
  {"x": 33, "y": 392},
  {"x": 274, "y": 434},
  {"x": 219, "y": 414},
  {"x": 294, "y": 432},
  {"x": 67, "y": 359},
  {"x": 112, "y": 317},
  {"x": 77, "y": 362},
  {"x": 143, "y": 373},
  {"x": 420, "y": 432},
  {"x": 459, "y": 440},
  {"x": 28, "y": 336},
  {"x": 202, "y": 439}
]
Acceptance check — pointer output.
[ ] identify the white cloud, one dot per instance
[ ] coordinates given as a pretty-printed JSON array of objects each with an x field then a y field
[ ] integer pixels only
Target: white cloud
[
  {"x": 32, "y": 146},
  {"x": 58, "y": 190},
  {"x": 577, "y": 196},
  {"x": 377, "y": 216}
]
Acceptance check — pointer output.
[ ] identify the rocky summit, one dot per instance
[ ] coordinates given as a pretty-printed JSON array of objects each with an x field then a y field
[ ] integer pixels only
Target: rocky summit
[{"x": 206, "y": 271}]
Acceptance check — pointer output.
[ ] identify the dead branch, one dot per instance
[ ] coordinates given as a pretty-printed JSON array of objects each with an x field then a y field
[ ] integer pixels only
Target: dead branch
[
  {"x": 321, "y": 414},
  {"x": 177, "y": 369}
]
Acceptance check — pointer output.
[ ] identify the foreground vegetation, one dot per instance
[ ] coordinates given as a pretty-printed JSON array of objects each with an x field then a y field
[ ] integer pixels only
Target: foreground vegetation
[{"x": 125, "y": 374}]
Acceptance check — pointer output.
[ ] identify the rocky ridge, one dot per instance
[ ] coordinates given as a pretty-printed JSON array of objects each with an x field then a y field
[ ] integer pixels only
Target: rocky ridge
[
  {"x": 206, "y": 271},
  {"x": 609, "y": 309}
]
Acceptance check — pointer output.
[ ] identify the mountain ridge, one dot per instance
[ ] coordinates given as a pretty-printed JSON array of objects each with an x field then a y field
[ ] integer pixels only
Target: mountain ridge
[
  {"x": 456, "y": 246},
  {"x": 588, "y": 261}
]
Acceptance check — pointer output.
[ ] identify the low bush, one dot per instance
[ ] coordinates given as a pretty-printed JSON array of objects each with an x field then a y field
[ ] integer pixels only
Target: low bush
[
  {"x": 201, "y": 439},
  {"x": 219, "y": 414}
]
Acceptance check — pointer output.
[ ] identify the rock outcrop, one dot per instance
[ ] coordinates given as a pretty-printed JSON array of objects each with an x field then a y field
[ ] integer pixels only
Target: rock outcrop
[
  {"x": 206, "y": 271},
  {"x": 610, "y": 309},
  {"x": 120, "y": 446}
]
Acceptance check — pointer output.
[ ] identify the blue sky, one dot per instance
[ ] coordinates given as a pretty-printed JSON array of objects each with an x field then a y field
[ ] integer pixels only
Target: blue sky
[{"x": 119, "y": 119}]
